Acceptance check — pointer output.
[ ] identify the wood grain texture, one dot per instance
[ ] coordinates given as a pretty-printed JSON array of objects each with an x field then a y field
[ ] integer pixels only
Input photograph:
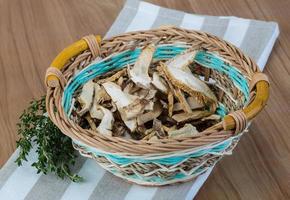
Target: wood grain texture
[{"x": 32, "y": 32}]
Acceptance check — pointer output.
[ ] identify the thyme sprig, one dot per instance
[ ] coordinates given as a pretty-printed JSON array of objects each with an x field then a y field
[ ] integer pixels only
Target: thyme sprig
[{"x": 55, "y": 151}]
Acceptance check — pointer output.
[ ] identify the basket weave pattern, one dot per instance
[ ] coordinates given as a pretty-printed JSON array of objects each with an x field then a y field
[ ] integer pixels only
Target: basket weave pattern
[{"x": 164, "y": 161}]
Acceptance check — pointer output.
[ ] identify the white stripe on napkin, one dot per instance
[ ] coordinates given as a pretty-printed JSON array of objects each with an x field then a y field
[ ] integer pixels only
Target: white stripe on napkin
[
  {"x": 236, "y": 30},
  {"x": 192, "y": 22},
  {"x": 197, "y": 184},
  {"x": 139, "y": 192},
  {"x": 93, "y": 174},
  {"x": 8, "y": 169},
  {"x": 266, "y": 53},
  {"x": 21, "y": 181},
  {"x": 145, "y": 17}
]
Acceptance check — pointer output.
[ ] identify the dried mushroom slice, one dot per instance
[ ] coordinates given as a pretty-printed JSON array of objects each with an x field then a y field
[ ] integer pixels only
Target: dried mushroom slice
[
  {"x": 170, "y": 99},
  {"x": 146, "y": 117},
  {"x": 141, "y": 93},
  {"x": 140, "y": 133},
  {"x": 185, "y": 117},
  {"x": 106, "y": 125},
  {"x": 121, "y": 99},
  {"x": 159, "y": 83},
  {"x": 213, "y": 117},
  {"x": 166, "y": 120},
  {"x": 113, "y": 77},
  {"x": 131, "y": 124},
  {"x": 149, "y": 106},
  {"x": 186, "y": 131},
  {"x": 146, "y": 98},
  {"x": 154, "y": 138},
  {"x": 156, "y": 132},
  {"x": 129, "y": 88},
  {"x": 192, "y": 102},
  {"x": 178, "y": 93},
  {"x": 147, "y": 94},
  {"x": 100, "y": 96},
  {"x": 181, "y": 98},
  {"x": 96, "y": 113},
  {"x": 167, "y": 129},
  {"x": 134, "y": 109},
  {"x": 139, "y": 73},
  {"x": 120, "y": 81},
  {"x": 158, "y": 127},
  {"x": 114, "y": 107},
  {"x": 164, "y": 104},
  {"x": 119, "y": 129},
  {"x": 187, "y": 82},
  {"x": 150, "y": 94},
  {"x": 182, "y": 61},
  {"x": 86, "y": 97},
  {"x": 91, "y": 122},
  {"x": 149, "y": 133}
]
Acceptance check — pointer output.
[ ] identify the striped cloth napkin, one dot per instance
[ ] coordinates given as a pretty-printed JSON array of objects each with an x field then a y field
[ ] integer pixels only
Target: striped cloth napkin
[{"x": 255, "y": 38}]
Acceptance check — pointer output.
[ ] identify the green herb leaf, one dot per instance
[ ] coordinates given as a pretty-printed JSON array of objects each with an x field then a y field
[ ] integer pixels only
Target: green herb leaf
[{"x": 55, "y": 151}]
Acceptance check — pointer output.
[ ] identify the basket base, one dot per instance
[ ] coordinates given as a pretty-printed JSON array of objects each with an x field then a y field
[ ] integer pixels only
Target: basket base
[
  {"x": 157, "y": 177},
  {"x": 150, "y": 184}
]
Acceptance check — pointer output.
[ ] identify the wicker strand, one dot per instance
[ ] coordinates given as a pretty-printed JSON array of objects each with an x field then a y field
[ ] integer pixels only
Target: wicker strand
[
  {"x": 240, "y": 120},
  {"x": 93, "y": 45},
  {"x": 55, "y": 83},
  {"x": 256, "y": 78}
]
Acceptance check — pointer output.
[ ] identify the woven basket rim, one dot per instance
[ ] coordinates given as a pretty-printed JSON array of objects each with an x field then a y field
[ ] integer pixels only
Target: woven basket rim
[{"x": 117, "y": 144}]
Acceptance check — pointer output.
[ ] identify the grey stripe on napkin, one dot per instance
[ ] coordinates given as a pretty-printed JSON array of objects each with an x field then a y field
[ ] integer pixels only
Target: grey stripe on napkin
[
  {"x": 172, "y": 191},
  {"x": 110, "y": 187},
  {"x": 255, "y": 38},
  {"x": 215, "y": 25},
  {"x": 126, "y": 16},
  {"x": 168, "y": 16},
  {"x": 57, "y": 186},
  {"x": 8, "y": 169}
]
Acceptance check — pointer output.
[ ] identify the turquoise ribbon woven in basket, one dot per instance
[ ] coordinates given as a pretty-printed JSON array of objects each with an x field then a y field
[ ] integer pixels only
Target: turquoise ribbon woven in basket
[
  {"x": 220, "y": 148},
  {"x": 125, "y": 58},
  {"x": 165, "y": 160}
]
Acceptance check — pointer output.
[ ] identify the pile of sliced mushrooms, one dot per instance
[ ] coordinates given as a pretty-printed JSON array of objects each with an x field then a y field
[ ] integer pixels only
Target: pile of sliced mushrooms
[{"x": 148, "y": 100}]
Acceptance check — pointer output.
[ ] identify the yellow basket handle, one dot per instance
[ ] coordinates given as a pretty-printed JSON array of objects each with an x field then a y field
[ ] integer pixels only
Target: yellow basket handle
[
  {"x": 54, "y": 76},
  {"x": 238, "y": 120}
]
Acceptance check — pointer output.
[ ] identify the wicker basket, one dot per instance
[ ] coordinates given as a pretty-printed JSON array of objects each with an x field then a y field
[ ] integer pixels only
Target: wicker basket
[{"x": 241, "y": 89}]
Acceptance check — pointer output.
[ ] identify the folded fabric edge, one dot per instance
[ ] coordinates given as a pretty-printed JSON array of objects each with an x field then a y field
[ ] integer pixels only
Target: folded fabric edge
[
  {"x": 134, "y": 4},
  {"x": 268, "y": 49}
]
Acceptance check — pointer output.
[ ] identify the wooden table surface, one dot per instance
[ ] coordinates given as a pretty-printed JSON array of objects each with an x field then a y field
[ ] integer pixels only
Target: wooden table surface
[{"x": 32, "y": 32}]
